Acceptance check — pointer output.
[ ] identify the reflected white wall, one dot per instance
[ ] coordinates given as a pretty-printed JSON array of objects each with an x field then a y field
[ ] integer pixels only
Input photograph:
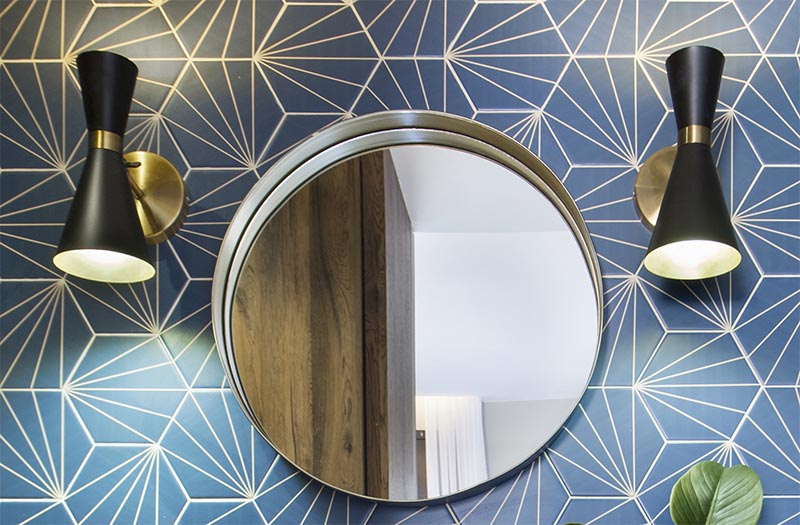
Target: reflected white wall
[
  {"x": 504, "y": 316},
  {"x": 513, "y": 426}
]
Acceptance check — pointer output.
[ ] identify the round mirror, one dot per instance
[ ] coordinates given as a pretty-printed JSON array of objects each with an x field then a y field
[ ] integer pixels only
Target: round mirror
[{"x": 407, "y": 306}]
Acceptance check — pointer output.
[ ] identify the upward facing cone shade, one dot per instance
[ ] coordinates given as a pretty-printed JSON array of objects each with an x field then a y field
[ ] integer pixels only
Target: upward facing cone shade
[
  {"x": 693, "y": 237},
  {"x": 102, "y": 238}
]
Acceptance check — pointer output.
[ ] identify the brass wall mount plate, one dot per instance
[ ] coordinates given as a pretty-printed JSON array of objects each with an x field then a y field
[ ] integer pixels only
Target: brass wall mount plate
[
  {"x": 161, "y": 198},
  {"x": 651, "y": 181}
]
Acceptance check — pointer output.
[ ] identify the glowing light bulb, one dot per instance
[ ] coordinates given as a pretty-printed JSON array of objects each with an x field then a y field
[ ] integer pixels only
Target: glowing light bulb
[
  {"x": 104, "y": 265},
  {"x": 693, "y": 259}
]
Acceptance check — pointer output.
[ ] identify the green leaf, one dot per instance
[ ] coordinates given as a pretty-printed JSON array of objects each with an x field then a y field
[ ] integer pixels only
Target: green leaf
[
  {"x": 738, "y": 498},
  {"x": 709, "y": 494},
  {"x": 693, "y": 493}
]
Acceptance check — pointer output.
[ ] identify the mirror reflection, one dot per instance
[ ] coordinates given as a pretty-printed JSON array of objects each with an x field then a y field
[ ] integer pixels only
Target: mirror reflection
[{"x": 414, "y": 322}]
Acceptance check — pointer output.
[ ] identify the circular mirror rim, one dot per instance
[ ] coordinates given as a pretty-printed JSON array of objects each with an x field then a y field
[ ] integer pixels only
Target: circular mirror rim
[{"x": 347, "y": 139}]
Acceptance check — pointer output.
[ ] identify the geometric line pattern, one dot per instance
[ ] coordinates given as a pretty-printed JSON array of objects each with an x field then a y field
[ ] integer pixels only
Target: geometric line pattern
[{"x": 113, "y": 403}]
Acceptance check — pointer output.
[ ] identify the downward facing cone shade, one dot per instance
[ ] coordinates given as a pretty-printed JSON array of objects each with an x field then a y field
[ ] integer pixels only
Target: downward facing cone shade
[
  {"x": 693, "y": 237},
  {"x": 102, "y": 238}
]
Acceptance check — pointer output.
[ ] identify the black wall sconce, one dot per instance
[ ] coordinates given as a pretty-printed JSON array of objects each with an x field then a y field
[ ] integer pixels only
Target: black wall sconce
[
  {"x": 678, "y": 188},
  {"x": 122, "y": 203}
]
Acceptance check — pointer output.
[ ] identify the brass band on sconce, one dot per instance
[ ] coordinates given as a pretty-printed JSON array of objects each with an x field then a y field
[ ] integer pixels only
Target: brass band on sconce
[
  {"x": 102, "y": 139},
  {"x": 694, "y": 134}
]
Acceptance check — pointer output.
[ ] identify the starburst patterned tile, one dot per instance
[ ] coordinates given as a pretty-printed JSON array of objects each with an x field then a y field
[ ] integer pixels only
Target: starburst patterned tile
[
  {"x": 404, "y": 29},
  {"x": 773, "y": 25},
  {"x": 46, "y": 128},
  {"x": 113, "y": 403},
  {"x": 48, "y": 339},
  {"x": 768, "y": 440},
  {"x": 132, "y": 484},
  {"x": 22, "y": 23},
  {"x": 136, "y": 30},
  {"x": 768, "y": 332}
]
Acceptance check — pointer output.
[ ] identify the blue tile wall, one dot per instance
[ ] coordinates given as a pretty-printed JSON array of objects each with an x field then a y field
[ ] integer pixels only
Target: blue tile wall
[{"x": 113, "y": 404}]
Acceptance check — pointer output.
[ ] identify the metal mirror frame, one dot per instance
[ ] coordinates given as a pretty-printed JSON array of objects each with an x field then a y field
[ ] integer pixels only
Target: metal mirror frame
[{"x": 347, "y": 139}]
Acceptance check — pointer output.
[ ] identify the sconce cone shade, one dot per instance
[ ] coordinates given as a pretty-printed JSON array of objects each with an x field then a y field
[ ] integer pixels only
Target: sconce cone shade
[
  {"x": 102, "y": 238},
  {"x": 693, "y": 237}
]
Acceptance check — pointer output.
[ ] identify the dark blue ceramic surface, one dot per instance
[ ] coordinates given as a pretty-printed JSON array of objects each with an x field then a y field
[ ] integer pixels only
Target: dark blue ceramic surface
[{"x": 113, "y": 404}]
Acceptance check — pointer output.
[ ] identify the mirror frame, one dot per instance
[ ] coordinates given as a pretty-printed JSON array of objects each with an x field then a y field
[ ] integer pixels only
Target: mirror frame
[{"x": 349, "y": 138}]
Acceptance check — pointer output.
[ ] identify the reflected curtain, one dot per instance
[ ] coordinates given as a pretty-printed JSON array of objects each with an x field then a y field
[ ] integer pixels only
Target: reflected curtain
[{"x": 454, "y": 442}]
